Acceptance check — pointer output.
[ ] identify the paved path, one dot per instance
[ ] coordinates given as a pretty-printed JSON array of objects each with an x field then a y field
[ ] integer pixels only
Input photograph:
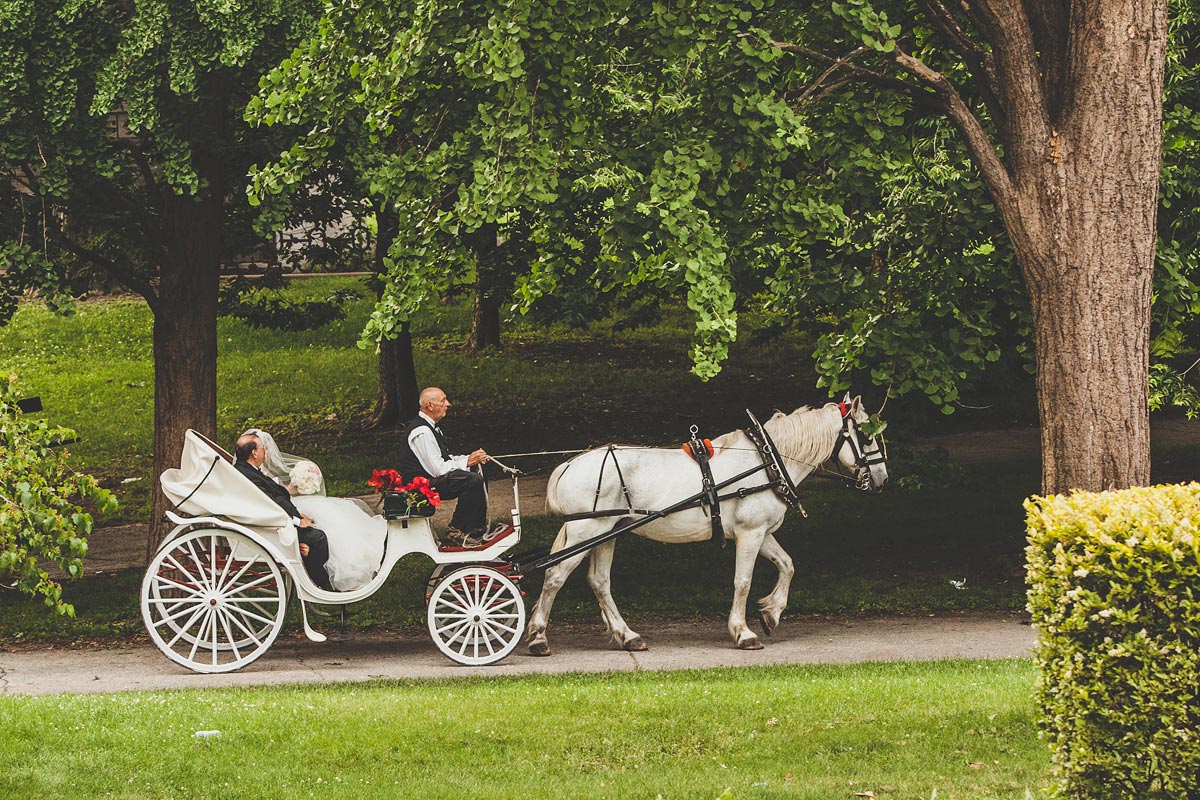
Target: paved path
[{"x": 580, "y": 648}]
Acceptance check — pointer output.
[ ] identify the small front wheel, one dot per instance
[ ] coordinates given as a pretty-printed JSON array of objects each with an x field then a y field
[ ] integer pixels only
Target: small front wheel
[{"x": 476, "y": 616}]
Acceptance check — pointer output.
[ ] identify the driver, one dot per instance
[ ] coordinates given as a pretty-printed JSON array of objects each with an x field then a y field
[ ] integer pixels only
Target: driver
[{"x": 423, "y": 452}]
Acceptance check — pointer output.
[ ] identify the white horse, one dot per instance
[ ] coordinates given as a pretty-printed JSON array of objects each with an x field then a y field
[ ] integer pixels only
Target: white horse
[{"x": 655, "y": 479}]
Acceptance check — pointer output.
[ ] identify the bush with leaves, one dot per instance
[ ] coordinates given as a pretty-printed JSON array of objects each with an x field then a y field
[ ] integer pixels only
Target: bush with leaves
[
  {"x": 1112, "y": 590},
  {"x": 41, "y": 517}
]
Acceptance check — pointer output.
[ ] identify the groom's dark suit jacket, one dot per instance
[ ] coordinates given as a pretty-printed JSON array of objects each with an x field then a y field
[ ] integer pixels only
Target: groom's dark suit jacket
[
  {"x": 318, "y": 543},
  {"x": 269, "y": 487}
]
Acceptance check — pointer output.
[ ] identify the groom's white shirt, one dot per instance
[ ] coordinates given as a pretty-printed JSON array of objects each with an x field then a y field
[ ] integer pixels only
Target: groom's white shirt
[{"x": 425, "y": 447}]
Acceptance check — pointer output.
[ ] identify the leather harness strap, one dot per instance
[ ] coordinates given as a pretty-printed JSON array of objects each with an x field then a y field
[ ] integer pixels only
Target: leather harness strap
[
  {"x": 700, "y": 451},
  {"x": 781, "y": 480}
]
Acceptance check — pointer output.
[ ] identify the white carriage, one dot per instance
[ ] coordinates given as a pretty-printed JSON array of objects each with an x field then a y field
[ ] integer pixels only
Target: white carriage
[{"x": 216, "y": 592}]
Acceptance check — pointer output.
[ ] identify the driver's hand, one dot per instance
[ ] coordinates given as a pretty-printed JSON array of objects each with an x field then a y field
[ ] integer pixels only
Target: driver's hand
[{"x": 480, "y": 456}]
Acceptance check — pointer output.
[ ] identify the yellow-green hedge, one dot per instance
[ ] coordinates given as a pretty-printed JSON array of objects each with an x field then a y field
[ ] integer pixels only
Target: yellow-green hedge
[{"x": 1114, "y": 590}]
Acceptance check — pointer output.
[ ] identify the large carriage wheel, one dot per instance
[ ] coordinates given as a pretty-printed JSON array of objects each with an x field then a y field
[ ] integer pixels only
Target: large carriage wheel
[
  {"x": 476, "y": 616},
  {"x": 213, "y": 600}
]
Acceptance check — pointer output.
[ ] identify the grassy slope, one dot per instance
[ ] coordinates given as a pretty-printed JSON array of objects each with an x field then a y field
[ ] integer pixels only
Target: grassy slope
[{"x": 947, "y": 730}]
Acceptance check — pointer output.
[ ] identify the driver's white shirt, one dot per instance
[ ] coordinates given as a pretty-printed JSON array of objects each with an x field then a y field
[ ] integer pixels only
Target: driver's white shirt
[{"x": 425, "y": 447}]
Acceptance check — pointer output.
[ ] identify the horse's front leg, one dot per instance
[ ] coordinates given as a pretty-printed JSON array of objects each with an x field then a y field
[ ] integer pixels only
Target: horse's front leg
[
  {"x": 556, "y": 576},
  {"x": 599, "y": 576},
  {"x": 770, "y": 607},
  {"x": 748, "y": 545}
]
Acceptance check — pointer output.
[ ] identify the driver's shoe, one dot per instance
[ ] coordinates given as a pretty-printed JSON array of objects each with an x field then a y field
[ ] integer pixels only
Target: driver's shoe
[{"x": 456, "y": 538}]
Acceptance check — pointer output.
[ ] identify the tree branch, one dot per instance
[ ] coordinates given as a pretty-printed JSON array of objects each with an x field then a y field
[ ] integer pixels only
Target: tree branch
[
  {"x": 843, "y": 63},
  {"x": 980, "y": 61},
  {"x": 1025, "y": 126},
  {"x": 143, "y": 164},
  {"x": 983, "y": 152},
  {"x": 144, "y": 288}
]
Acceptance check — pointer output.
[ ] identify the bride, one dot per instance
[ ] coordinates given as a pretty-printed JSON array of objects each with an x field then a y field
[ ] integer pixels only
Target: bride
[{"x": 356, "y": 536}]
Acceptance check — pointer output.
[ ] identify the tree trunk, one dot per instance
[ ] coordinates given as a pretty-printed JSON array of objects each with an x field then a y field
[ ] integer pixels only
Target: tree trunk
[
  {"x": 485, "y": 319},
  {"x": 185, "y": 335},
  {"x": 1077, "y": 103},
  {"x": 396, "y": 400},
  {"x": 1084, "y": 217}
]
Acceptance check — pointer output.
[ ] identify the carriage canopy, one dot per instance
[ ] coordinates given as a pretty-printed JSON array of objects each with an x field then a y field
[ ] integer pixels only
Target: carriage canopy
[{"x": 207, "y": 483}]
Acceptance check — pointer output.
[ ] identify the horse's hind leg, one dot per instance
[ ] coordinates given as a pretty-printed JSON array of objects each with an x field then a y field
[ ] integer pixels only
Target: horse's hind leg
[
  {"x": 599, "y": 576},
  {"x": 748, "y": 546},
  {"x": 770, "y": 607},
  {"x": 556, "y": 576}
]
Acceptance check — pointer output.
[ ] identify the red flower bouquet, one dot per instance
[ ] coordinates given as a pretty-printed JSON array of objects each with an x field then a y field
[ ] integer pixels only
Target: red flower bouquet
[{"x": 413, "y": 499}]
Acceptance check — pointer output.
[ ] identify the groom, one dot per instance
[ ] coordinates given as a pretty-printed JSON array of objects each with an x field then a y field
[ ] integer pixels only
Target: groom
[
  {"x": 314, "y": 546},
  {"x": 423, "y": 451}
]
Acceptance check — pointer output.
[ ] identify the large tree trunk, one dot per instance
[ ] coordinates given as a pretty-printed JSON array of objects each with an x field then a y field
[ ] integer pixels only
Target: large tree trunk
[
  {"x": 1077, "y": 100},
  {"x": 396, "y": 400},
  {"x": 185, "y": 335},
  {"x": 1089, "y": 257}
]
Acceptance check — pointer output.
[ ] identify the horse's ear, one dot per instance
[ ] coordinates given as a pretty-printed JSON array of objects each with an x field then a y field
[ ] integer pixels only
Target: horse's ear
[
  {"x": 846, "y": 399},
  {"x": 856, "y": 404}
]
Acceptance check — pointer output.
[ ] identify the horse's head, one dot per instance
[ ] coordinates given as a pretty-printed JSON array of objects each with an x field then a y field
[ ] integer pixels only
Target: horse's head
[{"x": 855, "y": 451}]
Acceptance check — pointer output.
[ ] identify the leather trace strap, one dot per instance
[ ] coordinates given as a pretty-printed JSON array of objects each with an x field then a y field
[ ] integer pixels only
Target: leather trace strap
[
  {"x": 700, "y": 451},
  {"x": 781, "y": 480}
]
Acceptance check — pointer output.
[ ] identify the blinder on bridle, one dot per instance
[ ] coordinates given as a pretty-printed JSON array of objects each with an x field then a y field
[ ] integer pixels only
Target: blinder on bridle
[{"x": 866, "y": 453}]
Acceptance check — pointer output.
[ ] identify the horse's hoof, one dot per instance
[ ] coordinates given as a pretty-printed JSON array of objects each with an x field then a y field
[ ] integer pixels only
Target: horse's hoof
[
  {"x": 750, "y": 643},
  {"x": 636, "y": 645},
  {"x": 765, "y": 622},
  {"x": 539, "y": 649}
]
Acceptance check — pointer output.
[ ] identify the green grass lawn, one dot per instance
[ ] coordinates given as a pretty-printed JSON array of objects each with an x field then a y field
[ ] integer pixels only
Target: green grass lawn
[{"x": 944, "y": 730}]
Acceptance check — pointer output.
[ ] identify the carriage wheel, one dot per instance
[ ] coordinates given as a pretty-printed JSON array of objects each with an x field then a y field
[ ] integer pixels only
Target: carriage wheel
[
  {"x": 213, "y": 600},
  {"x": 476, "y": 616}
]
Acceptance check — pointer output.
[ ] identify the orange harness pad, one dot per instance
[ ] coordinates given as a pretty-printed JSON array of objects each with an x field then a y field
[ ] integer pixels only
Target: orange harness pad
[{"x": 687, "y": 448}]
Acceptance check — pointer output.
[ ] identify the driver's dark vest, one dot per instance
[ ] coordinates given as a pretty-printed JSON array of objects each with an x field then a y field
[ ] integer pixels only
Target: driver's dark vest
[{"x": 410, "y": 466}]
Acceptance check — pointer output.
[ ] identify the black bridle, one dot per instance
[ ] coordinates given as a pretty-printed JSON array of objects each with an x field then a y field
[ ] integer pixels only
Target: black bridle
[{"x": 864, "y": 456}]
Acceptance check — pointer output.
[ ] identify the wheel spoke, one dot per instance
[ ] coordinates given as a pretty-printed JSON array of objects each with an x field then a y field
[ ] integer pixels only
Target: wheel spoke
[
  {"x": 457, "y": 625},
  {"x": 252, "y": 615},
  {"x": 183, "y": 587},
  {"x": 204, "y": 577},
  {"x": 242, "y": 571},
  {"x": 493, "y": 625},
  {"x": 175, "y": 563},
  {"x": 187, "y": 625},
  {"x": 463, "y": 600},
  {"x": 203, "y": 633},
  {"x": 249, "y": 633},
  {"x": 254, "y": 584},
  {"x": 170, "y": 615},
  {"x": 237, "y": 654},
  {"x": 216, "y": 647}
]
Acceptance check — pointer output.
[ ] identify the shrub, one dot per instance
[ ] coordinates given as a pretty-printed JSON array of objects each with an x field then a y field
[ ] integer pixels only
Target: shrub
[
  {"x": 40, "y": 517},
  {"x": 1114, "y": 590}
]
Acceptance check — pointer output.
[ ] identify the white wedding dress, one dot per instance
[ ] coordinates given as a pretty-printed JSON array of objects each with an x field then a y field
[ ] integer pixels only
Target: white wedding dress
[{"x": 355, "y": 535}]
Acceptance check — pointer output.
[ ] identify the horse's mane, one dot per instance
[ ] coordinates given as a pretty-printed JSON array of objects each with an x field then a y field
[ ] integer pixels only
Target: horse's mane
[{"x": 801, "y": 435}]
